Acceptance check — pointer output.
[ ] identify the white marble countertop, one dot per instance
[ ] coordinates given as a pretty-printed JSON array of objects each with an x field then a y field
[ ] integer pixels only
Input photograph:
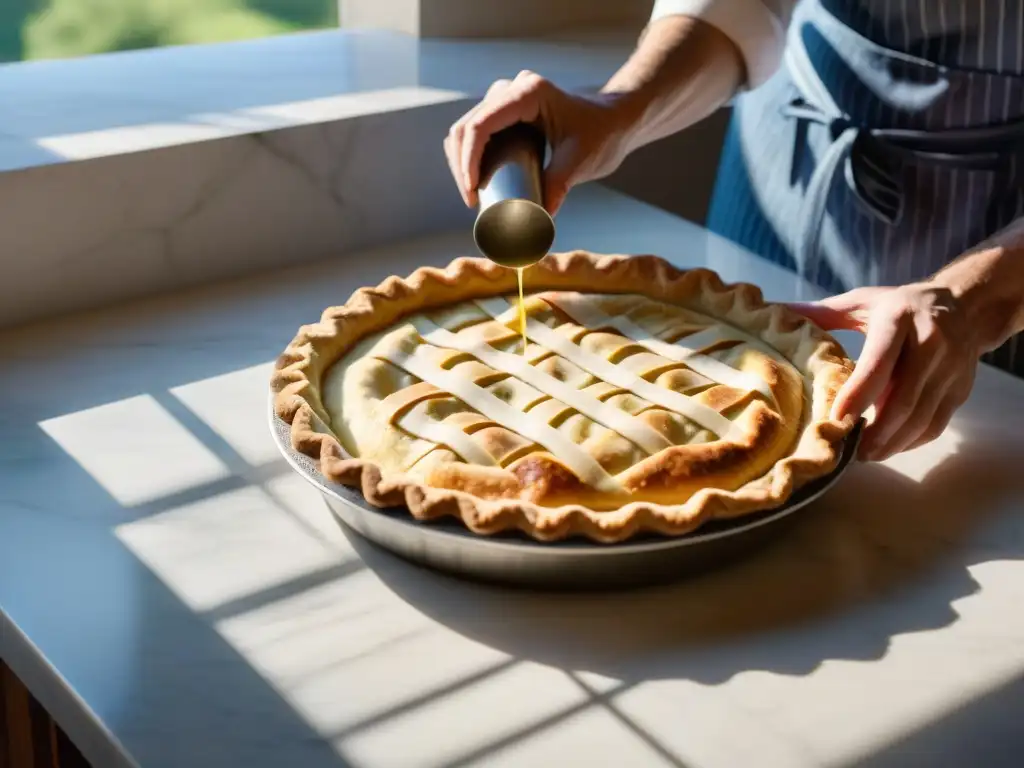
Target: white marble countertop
[{"x": 176, "y": 596}]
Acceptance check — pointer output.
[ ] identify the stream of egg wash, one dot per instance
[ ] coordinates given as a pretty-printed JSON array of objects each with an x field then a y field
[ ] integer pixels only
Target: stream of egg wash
[{"x": 522, "y": 308}]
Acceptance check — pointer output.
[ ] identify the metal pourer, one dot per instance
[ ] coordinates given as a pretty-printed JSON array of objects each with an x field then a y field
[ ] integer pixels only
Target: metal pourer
[{"x": 512, "y": 227}]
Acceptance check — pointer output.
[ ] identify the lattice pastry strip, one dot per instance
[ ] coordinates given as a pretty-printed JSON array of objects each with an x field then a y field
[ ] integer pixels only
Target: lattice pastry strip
[
  {"x": 582, "y": 464},
  {"x": 613, "y": 407},
  {"x": 501, "y": 310},
  {"x": 681, "y": 350},
  {"x": 632, "y": 429}
]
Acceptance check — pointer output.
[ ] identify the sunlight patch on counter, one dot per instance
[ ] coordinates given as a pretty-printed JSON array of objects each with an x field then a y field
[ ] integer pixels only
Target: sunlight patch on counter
[
  {"x": 228, "y": 547},
  {"x": 207, "y": 126},
  {"x": 136, "y": 450},
  {"x": 226, "y": 403}
]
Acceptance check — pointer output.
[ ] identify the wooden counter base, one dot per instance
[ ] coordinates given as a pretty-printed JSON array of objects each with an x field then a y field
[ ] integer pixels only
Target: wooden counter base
[{"x": 29, "y": 738}]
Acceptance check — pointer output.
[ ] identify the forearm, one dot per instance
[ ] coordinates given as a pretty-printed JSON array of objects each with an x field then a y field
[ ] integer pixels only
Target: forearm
[
  {"x": 682, "y": 70},
  {"x": 989, "y": 282}
]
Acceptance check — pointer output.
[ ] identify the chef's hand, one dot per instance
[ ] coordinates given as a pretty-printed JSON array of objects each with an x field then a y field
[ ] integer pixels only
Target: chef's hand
[
  {"x": 585, "y": 134},
  {"x": 918, "y": 364}
]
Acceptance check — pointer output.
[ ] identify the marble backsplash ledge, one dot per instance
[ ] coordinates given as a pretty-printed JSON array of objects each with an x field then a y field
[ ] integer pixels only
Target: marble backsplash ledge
[
  {"x": 74, "y": 109},
  {"x": 137, "y": 173},
  {"x": 81, "y": 235}
]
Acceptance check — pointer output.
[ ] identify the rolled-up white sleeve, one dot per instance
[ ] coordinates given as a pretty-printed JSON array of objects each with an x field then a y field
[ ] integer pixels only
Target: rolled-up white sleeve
[{"x": 756, "y": 27}]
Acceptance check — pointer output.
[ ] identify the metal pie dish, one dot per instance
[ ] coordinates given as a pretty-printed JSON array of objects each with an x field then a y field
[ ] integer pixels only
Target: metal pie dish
[{"x": 513, "y": 559}]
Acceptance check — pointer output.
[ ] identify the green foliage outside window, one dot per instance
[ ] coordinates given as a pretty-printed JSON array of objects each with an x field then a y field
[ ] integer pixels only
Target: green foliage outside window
[{"x": 47, "y": 29}]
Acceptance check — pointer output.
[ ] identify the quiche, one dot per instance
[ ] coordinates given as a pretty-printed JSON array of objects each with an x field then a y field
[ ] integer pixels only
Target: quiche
[{"x": 635, "y": 398}]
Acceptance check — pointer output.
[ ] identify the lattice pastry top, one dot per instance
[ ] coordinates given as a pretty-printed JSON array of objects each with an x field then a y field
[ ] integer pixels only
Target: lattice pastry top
[{"x": 648, "y": 398}]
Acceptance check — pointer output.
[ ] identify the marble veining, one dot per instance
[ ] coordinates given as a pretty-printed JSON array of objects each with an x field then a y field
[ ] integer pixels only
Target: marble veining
[
  {"x": 221, "y": 616},
  {"x": 82, "y": 235}
]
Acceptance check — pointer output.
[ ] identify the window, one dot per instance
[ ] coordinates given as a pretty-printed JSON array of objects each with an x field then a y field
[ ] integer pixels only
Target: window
[{"x": 48, "y": 29}]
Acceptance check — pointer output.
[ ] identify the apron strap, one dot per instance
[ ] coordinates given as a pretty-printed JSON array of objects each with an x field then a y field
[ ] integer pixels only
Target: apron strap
[
  {"x": 873, "y": 157},
  {"x": 873, "y": 162}
]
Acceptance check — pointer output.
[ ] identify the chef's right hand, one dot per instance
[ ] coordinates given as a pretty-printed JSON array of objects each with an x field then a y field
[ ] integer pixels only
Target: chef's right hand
[{"x": 586, "y": 134}]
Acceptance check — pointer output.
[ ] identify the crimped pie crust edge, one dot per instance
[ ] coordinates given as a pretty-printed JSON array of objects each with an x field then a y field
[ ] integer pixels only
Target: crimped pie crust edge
[{"x": 300, "y": 368}]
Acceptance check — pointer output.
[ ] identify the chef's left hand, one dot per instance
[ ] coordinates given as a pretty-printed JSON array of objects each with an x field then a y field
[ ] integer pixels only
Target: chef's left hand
[{"x": 918, "y": 364}]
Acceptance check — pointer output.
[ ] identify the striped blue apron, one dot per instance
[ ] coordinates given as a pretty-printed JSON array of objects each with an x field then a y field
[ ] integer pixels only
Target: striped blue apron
[{"x": 889, "y": 142}]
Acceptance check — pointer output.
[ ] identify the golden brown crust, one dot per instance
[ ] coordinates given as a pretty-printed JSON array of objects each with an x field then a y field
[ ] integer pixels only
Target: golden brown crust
[{"x": 300, "y": 369}]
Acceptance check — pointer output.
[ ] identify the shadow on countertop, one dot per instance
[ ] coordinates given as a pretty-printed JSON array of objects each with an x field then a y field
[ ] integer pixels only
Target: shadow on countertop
[
  {"x": 986, "y": 728},
  {"x": 880, "y": 556}
]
